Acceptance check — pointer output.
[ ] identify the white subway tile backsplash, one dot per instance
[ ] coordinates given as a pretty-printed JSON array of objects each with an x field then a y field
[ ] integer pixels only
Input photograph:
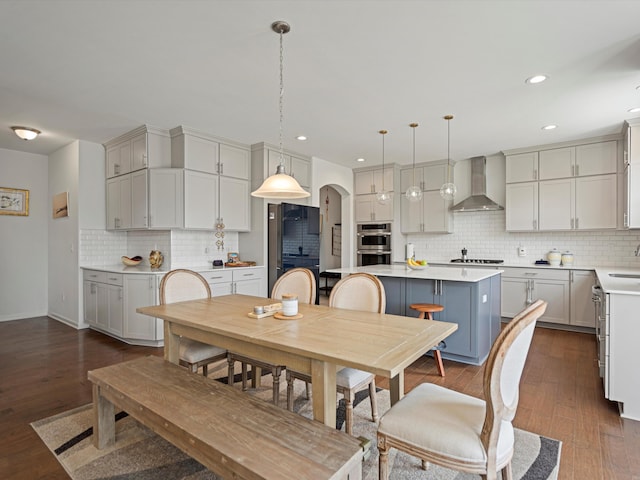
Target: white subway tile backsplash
[{"x": 484, "y": 236}]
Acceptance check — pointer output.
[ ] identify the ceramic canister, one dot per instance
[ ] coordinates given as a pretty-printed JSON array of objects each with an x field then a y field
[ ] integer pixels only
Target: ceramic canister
[
  {"x": 567, "y": 258},
  {"x": 554, "y": 257},
  {"x": 289, "y": 305}
]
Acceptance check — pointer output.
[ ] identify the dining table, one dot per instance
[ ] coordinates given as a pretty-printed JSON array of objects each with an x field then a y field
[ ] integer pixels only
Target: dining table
[{"x": 316, "y": 342}]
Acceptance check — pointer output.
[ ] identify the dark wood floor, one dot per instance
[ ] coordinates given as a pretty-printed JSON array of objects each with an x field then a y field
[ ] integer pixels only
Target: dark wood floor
[{"x": 43, "y": 371}]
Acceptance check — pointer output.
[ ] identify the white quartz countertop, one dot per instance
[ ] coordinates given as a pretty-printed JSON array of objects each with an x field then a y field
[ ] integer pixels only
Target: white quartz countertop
[
  {"x": 627, "y": 285},
  {"x": 456, "y": 274},
  {"x": 513, "y": 265},
  {"x": 160, "y": 271}
]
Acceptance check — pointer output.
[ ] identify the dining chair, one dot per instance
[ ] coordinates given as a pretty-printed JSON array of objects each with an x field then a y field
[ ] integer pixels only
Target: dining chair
[
  {"x": 299, "y": 281},
  {"x": 359, "y": 291},
  {"x": 180, "y": 285},
  {"x": 458, "y": 431}
]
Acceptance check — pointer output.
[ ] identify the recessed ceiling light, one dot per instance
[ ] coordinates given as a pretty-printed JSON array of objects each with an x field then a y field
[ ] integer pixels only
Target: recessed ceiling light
[
  {"x": 549, "y": 127},
  {"x": 536, "y": 79},
  {"x": 634, "y": 110},
  {"x": 26, "y": 133},
  {"x": 302, "y": 138},
  {"x": 359, "y": 159}
]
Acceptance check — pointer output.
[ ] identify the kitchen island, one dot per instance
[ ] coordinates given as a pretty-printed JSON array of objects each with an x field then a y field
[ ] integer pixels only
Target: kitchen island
[{"x": 470, "y": 296}]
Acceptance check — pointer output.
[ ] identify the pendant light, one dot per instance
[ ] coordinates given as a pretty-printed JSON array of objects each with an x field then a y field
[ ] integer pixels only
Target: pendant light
[
  {"x": 383, "y": 197},
  {"x": 414, "y": 192},
  {"x": 448, "y": 189},
  {"x": 280, "y": 185}
]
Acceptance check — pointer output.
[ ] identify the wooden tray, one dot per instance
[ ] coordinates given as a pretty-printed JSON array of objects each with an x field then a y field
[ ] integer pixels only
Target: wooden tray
[
  {"x": 240, "y": 264},
  {"x": 261, "y": 315}
]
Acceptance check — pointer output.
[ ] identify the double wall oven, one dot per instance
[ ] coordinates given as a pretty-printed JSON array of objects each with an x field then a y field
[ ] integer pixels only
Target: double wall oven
[{"x": 374, "y": 244}]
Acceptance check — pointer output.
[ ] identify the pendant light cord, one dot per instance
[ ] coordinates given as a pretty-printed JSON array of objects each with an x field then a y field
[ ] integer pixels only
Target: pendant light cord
[
  {"x": 413, "y": 127},
  {"x": 448, "y": 150},
  {"x": 281, "y": 99},
  {"x": 382, "y": 132}
]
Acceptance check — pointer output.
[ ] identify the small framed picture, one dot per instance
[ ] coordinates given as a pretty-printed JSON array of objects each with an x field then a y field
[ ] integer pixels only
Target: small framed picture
[
  {"x": 233, "y": 257},
  {"x": 14, "y": 201},
  {"x": 61, "y": 205}
]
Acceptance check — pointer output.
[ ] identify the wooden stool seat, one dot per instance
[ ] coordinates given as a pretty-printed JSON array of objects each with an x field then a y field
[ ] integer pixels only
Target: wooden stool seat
[{"x": 426, "y": 311}]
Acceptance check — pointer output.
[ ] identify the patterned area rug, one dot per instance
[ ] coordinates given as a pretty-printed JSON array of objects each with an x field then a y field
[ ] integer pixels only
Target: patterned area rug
[{"x": 139, "y": 454}]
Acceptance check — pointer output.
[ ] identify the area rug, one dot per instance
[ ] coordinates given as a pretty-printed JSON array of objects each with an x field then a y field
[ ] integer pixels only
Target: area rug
[{"x": 139, "y": 454}]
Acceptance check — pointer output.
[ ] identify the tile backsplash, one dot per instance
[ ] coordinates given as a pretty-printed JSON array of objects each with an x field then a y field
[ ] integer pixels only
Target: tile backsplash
[
  {"x": 181, "y": 249},
  {"x": 483, "y": 235}
]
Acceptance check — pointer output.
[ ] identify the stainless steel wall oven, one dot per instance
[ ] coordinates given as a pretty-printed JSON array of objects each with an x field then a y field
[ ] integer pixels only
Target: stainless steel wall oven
[{"x": 374, "y": 244}]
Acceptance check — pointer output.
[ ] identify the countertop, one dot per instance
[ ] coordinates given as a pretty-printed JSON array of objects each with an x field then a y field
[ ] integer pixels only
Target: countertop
[
  {"x": 146, "y": 269},
  {"x": 449, "y": 273},
  {"x": 621, "y": 285},
  {"x": 512, "y": 265}
]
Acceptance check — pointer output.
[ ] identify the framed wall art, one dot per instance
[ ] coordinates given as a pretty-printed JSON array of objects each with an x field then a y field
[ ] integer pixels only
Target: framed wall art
[
  {"x": 61, "y": 205},
  {"x": 14, "y": 201}
]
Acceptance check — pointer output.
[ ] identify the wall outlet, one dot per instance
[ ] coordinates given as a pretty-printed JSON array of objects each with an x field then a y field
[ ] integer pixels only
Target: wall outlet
[{"x": 522, "y": 252}]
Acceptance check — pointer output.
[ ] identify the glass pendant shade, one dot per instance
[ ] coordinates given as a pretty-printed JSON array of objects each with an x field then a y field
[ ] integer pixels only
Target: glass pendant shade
[
  {"x": 414, "y": 192},
  {"x": 448, "y": 189},
  {"x": 383, "y": 197},
  {"x": 280, "y": 185}
]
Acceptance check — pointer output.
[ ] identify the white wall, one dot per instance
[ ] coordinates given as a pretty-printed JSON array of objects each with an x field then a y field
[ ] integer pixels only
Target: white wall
[
  {"x": 331, "y": 213},
  {"x": 23, "y": 240}
]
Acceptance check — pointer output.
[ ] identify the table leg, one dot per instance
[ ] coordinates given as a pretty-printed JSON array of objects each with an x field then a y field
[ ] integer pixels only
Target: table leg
[
  {"x": 171, "y": 344},
  {"x": 323, "y": 392},
  {"x": 104, "y": 420},
  {"x": 396, "y": 386}
]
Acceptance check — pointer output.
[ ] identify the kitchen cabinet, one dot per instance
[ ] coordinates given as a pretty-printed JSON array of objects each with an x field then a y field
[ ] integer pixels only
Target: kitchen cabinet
[
  {"x": 118, "y": 190},
  {"x": 242, "y": 280},
  {"x": 368, "y": 209},
  {"x": 522, "y": 167},
  {"x": 110, "y": 303},
  {"x": 166, "y": 198},
  {"x": 296, "y": 166},
  {"x": 522, "y": 286},
  {"x": 631, "y": 175},
  {"x": 583, "y": 160},
  {"x": 583, "y": 203},
  {"x": 200, "y": 200},
  {"x": 473, "y": 306},
  {"x": 581, "y": 310},
  {"x": 431, "y": 214},
  {"x": 144, "y": 147},
  {"x": 430, "y": 177},
  {"x": 521, "y": 207},
  {"x": 370, "y": 181}
]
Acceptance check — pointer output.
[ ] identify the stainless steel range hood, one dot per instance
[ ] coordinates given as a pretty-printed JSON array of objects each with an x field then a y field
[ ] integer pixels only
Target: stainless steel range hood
[{"x": 478, "y": 201}]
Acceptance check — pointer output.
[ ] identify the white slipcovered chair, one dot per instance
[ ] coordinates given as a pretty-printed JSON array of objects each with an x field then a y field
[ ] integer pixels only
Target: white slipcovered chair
[
  {"x": 359, "y": 291},
  {"x": 458, "y": 431},
  {"x": 181, "y": 285},
  {"x": 299, "y": 281}
]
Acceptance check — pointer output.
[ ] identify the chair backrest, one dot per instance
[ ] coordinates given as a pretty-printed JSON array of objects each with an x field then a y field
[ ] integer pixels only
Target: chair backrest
[
  {"x": 181, "y": 285},
  {"x": 299, "y": 281},
  {"x": 359, "y": 291},
  {"x": 503, "y": 371}
]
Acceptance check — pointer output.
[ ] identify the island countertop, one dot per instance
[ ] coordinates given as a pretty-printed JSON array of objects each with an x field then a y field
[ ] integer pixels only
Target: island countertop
[{"x": 456, "y": 274}]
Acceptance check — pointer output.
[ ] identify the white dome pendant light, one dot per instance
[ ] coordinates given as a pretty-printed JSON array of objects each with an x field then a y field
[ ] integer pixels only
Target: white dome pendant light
[
  {"x": 448, "y": 189},
  {"x": 280, "y": 185},
  {"x": 414, "y": 192},
  {"x": 383, "y": 196}
]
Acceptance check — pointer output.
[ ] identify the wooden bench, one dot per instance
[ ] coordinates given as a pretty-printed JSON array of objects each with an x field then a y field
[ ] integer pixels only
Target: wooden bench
[{"x": 231, "y": 433}]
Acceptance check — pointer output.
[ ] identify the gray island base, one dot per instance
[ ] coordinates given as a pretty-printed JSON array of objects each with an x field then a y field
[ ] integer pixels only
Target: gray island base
[{"x": 470, "y": 297}]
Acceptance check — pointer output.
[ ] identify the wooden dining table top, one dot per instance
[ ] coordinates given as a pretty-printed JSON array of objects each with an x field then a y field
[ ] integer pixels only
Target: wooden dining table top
[{"x": 382, "y": 344}]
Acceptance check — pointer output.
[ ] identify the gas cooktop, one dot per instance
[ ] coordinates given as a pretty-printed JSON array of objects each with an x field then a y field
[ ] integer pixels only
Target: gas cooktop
[{"x": 475, "y": 260}]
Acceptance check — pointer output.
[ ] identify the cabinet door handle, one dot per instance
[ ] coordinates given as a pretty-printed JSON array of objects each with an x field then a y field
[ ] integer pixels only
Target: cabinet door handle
[
  {"x": 248, "y": 274},
  {"x": 116, "y": 169},
  {"x": 144, "y": 160},
  {"x": 577, "y": 223},
  {"x": 530, "y": 274},
  {"x": 215, "y": 277},
  {"x": 535, "y": 174},
  {"x": 221, "y": 168},
  {"x": 625, "y": 221},
  {"x": 572, "y": 223},
  {"x": 535, "y": 224},
  {"x": 577, "y": 170}
]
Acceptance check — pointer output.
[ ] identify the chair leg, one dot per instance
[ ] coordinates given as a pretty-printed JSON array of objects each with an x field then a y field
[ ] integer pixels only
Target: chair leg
[
  {"x": 275, "y": 371},
  {"x": 507, "y": 474},
  {"x": 290, "y": 381},
  {"x": 193, "y": 367},
  {"x": 205, "y": 370},
  {"x": 374, "y": 400},
  {"x": 307, "y": 387},
  {"x": 348, "y": 398},
  {"x": 424, "y": 465},
  {"x": 383, "y": 462},
  {"x": 437, "y": 356},
  {"x": 230, "y": 362}
]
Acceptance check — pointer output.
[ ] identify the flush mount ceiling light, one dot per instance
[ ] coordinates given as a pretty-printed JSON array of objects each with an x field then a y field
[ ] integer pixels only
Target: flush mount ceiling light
[
  {"x": 536, "y": 79},
  {"x": 280, "y": 185},
  {"x": 383, "y": 197},
  {"x": 359, "y": 159},
  {"x": 549, "y": 127},
  {"x": 634, "y": 110},
  {"x": 302, "y": 138},
  {"x": 414, "y": 192},
  {"x": 26, "y": 133},
  {"x": 448, "y": 189}
]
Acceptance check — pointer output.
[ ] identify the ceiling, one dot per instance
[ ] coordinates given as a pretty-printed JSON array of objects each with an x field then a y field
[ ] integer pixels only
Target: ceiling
[{"x": 93, "y": 70}]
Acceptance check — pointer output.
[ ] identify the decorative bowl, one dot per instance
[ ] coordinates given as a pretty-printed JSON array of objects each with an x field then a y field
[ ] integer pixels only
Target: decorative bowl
[{"x": 131, "y": 262}]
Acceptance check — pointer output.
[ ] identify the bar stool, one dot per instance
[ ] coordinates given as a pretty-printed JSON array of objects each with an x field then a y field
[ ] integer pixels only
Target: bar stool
[{"x": 426, "y": 311}]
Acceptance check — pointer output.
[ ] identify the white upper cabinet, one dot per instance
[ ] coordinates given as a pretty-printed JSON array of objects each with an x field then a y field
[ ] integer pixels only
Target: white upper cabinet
[
  {"x": 299, "y": 168},
  {"x": 430, "y": 177},
  {"x": 367, "y": 209},
  {"x": 522, "y": 167},
  {"x": 522, "y": 207},
  {"x": 582, "y": 160},
  {"x": 194, "y": 150},
  {"x": 234, "y": 161},
  {"x": 432, "y": 214},
  {"x": 166, "y": 198},
  {"x": 631, "y": 178},
  {"x": 371, "y": 181},
  {"x": 234, "y": 204},
  {"x": 596, "y": 198},
  {"x": 200, "y": 200},
  {"x": 144, "y": 147},
  {"x": 557, "y": 163},
  {"x": 556, "y": 203}
]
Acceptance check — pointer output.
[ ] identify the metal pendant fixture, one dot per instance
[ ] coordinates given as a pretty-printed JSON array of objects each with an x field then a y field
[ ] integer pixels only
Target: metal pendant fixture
[
  {"x": 414, "y": 192},
  {"x": 383, "y": 196},
  {"x": 280, "y": 185},
  {"x": 448, "y": 189}
]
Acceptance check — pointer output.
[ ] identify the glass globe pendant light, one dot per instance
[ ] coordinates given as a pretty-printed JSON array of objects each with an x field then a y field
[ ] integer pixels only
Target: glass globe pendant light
[
  {"x": 448, "y": 190},
  {"x": 280, "y": 185},
  {"x": 383, "y": 196},
  {"x": 414, "y": 192}
]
